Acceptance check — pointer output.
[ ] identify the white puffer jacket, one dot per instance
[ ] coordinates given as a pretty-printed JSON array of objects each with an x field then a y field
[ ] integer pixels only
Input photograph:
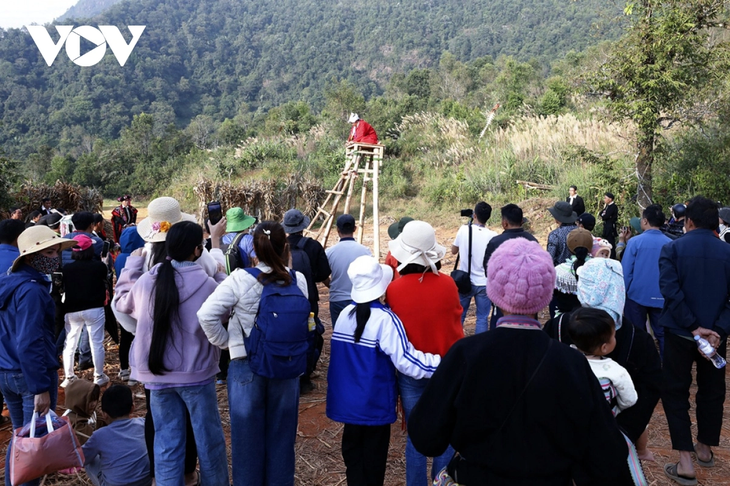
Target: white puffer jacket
[{"x": 239, "y": 293}]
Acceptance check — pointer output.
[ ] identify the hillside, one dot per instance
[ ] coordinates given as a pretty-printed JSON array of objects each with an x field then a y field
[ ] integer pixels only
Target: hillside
[
  {"x": 87, "y": 8},
  {"x": 224, "y": 57}
]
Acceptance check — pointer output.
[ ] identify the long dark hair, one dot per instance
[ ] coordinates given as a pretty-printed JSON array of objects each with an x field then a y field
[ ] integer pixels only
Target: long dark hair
[
  {"x": 269, "y": 241},
  {"x": 158, "y": 253},
  {"x": 180, "y": 244},
  {"x": 581, "y": 254},
  {"x": 362, "y": 315}
]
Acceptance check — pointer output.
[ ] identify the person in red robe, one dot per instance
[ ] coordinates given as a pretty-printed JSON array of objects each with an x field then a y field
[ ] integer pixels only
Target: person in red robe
[
  {"x": 123, "y": 215},
  {"x": 361, "y": 130}
]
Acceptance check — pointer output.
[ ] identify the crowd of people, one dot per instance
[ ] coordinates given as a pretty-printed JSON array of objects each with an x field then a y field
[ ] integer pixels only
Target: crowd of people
[{"x": 236, "y": 304}]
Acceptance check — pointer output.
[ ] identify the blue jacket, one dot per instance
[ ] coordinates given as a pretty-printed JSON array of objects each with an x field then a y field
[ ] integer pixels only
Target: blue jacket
[
  {"x": 27, "y": 328},
  {"x": 641, "y": 268},
  {"x": 98, "y": 246},
  {"x": 8, "y": 254},
  {"x": 361, "y": 384},
  {"x": 695, "y": 282},
  {"x": 128, "y": 241}
]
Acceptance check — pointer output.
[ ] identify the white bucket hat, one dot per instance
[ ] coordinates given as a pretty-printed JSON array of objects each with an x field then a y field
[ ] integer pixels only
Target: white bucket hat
[
  {"x": 369, "y": 279},
  {"x": 38, "y": 238},
  {"x": 163, "y": 212},
  {"x": 417, "y": 244},
  {"x": 353, "y": 118}
]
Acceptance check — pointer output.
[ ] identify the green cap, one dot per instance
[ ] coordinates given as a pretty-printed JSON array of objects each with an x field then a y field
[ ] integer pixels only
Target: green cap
[
  {"x": 237, "y": 221},
  {"x": 397, "y": 228},
  {"x": 636, "y": 225}
]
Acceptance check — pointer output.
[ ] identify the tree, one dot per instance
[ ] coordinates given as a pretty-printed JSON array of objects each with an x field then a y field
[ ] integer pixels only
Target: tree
[{"x": 666, "y": 57}]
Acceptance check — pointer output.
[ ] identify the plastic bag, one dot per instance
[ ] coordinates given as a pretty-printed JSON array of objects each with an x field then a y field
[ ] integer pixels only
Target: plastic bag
[{"x": 43, "y": 446}]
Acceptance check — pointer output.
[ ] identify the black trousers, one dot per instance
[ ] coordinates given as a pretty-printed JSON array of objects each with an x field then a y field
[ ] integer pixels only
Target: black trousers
[
  {"x": 365, "y": 451},
  {"x": 125, "y": 343},
  {"x": 679, "y": 355}
]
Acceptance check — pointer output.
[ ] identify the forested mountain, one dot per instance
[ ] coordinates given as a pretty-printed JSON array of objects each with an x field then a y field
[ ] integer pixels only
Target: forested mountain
[
  {"x": 226, "y": 57},
  {"x": 87, "y": 8}
]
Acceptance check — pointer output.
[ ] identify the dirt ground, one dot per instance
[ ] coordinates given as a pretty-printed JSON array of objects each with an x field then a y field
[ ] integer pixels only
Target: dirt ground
[{"x": 319, "y": 461}]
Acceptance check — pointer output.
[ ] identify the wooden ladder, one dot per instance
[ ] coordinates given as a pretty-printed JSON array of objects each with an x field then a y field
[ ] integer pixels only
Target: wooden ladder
[{"x": 360, "y": 158}]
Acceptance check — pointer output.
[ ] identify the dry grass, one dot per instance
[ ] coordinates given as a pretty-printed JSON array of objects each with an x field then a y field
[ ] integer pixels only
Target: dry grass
[
  {"x": 267, "y": 199},
  {"x": 64, "y": 196},
  {"x": 547, "y": 137}
]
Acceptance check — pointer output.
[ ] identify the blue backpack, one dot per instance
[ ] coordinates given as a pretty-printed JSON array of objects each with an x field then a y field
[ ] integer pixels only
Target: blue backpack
[{"x": 277, "y": 345}]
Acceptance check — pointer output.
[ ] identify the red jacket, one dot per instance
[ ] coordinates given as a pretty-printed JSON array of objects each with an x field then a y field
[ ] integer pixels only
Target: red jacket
[
  {"x": 363, "y": 132},
  {"x": 429, "y": 307}
]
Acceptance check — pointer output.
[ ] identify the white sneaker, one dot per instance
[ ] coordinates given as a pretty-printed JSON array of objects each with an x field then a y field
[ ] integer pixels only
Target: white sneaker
[
  {"x": 68, "y": 381},
  {"x": 101, "y": 380},
  {"x": 124, "y": 375}
]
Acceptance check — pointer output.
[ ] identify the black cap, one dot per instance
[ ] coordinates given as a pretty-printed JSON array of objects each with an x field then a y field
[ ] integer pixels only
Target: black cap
[
  {"x": 587, "y": 220},
  {"x": 346, "y": 223},
  {"x": 610, "y": 194}
]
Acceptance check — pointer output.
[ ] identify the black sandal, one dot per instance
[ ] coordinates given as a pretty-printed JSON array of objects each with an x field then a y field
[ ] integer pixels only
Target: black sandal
[{"x": 671, "y": 470}]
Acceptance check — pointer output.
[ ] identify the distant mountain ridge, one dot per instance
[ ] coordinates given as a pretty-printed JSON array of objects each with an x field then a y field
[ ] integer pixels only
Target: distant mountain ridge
[
  {"x": 86, "y": 9},
  {"x": 222, "y": 57}
]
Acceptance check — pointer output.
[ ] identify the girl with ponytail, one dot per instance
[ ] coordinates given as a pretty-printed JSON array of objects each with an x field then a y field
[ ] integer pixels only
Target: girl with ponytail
[
  {"x": 369, "y": 345},
  {"x": 580, "y": 243},
  {"x": 173, "y": 358},
  {"x": 264, "y": 411}
]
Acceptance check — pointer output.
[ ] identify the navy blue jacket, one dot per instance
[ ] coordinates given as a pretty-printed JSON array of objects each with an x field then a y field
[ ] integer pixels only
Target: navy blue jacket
[
  {"x": 27, "y": 328},
  {"x": 8, "y": 254},
  {"x": 694, "y": 278}
]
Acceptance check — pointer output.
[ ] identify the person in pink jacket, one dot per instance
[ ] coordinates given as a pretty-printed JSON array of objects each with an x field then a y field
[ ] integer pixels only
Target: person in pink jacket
[{"x": 172, "y": 356}]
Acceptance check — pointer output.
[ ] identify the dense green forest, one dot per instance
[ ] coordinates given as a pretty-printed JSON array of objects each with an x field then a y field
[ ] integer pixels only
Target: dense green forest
[
  {"x": 239, "y": 92},
  {"x": 228, "y": 58},
  {"x": 87, "y": 8}
]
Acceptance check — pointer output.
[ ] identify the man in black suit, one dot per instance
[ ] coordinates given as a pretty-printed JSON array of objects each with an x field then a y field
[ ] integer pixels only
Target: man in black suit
[
  {"x": 45, "y": 208},
  {"x": 609, "y": 215},
  {"x": 576, "y": 202}
]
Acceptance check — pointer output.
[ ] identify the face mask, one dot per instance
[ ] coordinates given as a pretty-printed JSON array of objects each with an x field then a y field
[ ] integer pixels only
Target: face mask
[{"x": 43, "y": 263}]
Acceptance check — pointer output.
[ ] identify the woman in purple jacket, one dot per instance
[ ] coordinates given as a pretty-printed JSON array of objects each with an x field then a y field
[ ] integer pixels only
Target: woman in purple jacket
[{"x": 174, "y": 359}]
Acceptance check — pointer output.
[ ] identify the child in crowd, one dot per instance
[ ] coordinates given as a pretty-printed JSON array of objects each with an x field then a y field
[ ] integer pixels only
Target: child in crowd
[
  {"x": 82, "y": 397},
  {"x": 593, "y": 332},
  {"x": 116, "y": 455},
  {"x": 369, "y": 345},
  {"x": 601, "y": 248}
]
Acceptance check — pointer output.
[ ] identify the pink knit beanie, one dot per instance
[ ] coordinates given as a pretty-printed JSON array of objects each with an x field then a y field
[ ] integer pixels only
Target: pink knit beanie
[{"x": 520, "y": 277}]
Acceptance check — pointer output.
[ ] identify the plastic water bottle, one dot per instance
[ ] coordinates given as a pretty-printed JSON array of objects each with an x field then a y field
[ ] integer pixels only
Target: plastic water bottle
[
  {"x": 707, "y": 349},
  {"x": 313, "y": 325}
]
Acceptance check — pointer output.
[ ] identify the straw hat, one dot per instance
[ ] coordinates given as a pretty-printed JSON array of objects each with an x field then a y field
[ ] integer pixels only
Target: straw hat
[
  {"x": 38, "y": 238},
  {"x": 369, "y": 279},
  {"x": 163, "y": 212}
]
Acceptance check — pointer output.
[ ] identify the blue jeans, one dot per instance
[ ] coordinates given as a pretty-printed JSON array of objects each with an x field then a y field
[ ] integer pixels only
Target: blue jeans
[
  {"x": 637, "y": 315},
  {"x": 483, "y": 306},
  {"x": 336, "y": 307},
  {"x": 410, "y": 391},
  {"x": 168, "y": 411},
  {"x": 20, "y": 405},
  {"x": 264, "y": 414}
]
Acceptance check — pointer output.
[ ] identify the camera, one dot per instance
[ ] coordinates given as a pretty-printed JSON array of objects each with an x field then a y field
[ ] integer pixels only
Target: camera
[{"x": 467, "y": 213}]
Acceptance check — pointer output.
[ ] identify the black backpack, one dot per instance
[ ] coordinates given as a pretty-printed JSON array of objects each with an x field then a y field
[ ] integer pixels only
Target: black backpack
[
  {"x": 300, "y": 261},
  {"x": 235, "y": 258}
]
